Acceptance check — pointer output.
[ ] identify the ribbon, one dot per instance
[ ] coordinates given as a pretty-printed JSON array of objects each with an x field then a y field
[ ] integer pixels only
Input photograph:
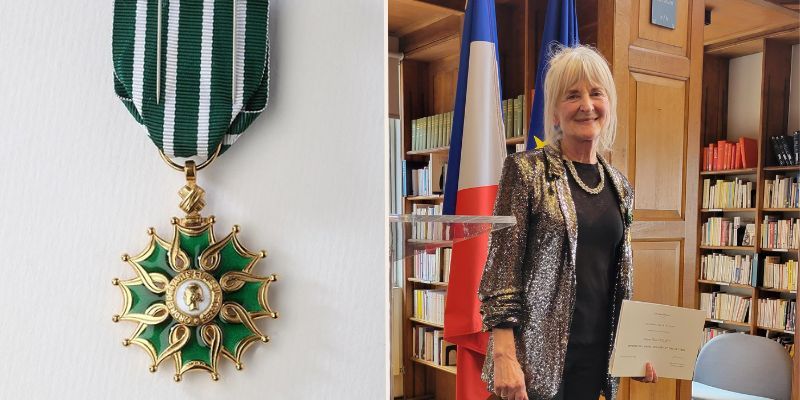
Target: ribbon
[{"x": 195, "y": 73}]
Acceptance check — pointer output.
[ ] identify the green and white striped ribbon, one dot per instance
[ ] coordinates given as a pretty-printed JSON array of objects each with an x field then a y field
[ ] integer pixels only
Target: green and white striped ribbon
[{"x": 205, "y": 82}]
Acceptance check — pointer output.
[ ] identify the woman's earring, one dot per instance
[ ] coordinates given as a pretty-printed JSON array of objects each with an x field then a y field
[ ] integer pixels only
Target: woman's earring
[{"x": 557, "y": 128}]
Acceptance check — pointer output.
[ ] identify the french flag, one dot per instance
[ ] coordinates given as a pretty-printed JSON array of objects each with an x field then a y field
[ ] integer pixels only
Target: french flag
[{"x": 477, "y": 151}]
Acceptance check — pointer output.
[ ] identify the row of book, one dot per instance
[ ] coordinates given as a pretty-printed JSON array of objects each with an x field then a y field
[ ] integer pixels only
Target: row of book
[
  {"x": 726, "y": 231},
  {"x": 433, "y": 265},
  {"x": 431, "y": 132},
  {"x": 725, "y": 306},
  {"x": 738, "y": 269},
  {"x": 514, "y": 118},
  {"x": 782, "y": 192},
  {"x": 427, "y": 230},
  {"x": 720, "y": 193},
  {"x": 786, "y": 148},
  {"x": 429, "y": 305},
  {"x": 777, "y": 314},
  {"x": 428, "y": 344},
  {"x": 778, "y": 275},
  {"x": 780, "y": 233},
  {"x": 730, "y": 155},
  {"x": 712, "y": 332},
  {"x": 424, "y": 178}
]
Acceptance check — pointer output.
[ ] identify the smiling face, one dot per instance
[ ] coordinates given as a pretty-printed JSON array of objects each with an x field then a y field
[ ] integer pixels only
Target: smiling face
[
  {"x": 579, "y": 99},
  {"x": 582, "y": 112}
]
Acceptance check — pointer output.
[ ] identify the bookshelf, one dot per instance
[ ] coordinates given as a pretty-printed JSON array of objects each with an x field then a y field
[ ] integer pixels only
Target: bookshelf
[{"x": 776, "y": 51}]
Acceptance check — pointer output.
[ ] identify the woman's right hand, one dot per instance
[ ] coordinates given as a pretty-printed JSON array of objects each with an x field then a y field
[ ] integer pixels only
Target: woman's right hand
[{"x": 509, "y": 381}]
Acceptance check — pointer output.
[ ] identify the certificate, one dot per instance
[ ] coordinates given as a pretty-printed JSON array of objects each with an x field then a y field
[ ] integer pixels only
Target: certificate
[{"x": 667, "y": 337}]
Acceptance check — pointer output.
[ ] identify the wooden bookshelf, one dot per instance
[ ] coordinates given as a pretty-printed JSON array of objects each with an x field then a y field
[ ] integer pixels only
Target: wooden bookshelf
[{"x": 776, "y": 69}]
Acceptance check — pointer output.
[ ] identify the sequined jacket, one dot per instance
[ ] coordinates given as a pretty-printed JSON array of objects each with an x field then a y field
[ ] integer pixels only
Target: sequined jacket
[{"x": 529, "y": 278}]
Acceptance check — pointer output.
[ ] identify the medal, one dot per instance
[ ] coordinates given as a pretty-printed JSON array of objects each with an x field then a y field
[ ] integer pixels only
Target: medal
[{"x": 196, "y": 75}]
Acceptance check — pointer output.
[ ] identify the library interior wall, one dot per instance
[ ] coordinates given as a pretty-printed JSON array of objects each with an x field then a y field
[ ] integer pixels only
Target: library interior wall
[
  {"x": 794, "y": 91},
  {"x": 744, "y": 95},
  {"x": 80, "y": 182}
]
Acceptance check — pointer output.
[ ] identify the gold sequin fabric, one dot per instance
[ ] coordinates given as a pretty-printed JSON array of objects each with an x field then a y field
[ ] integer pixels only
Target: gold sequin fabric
[{"x": 529, "y": 278}]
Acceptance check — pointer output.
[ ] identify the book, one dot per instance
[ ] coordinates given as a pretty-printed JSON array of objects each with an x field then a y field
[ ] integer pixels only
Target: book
[
  {"x": 786, "y": 149},
  {"x": 777, "y": 151},
  {"x": 518, "y": 117},
  {"x": 404, "y": 179},
  {"x": 748, "y": 151},
  {"x": 436, "y": 165}
]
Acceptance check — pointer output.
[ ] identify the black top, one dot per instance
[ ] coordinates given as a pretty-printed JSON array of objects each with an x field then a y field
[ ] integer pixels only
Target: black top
[{"x": 600, "y": 233}]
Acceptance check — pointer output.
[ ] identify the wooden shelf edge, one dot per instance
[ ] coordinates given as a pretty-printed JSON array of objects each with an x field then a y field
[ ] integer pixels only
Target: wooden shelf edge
[
  {"x": 784, "y": 168},
  {"x": 773, "y": 250},
  {"x": 711, "y": 210},
  {"x": 423, "y": 322},
  {"x": 509, "y": 141},
  {"x": 725, "y": 284},
  {"x": 775, "y": 330},
  {"x": 428, "y": 151},
  {"x": 726, "y": 322},
  {"x": 432, "y": 283},
  {"x": 446, "y": 368},
  {"x": 741, "y": 248},
  {"x": 774, "y": 290},
  {"x": 742, "y": 171},
  {"x": 420, "y": 198}
]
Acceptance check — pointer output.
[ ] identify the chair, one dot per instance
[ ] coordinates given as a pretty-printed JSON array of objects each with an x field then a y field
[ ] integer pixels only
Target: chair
[{"x": 742, "y": 367}]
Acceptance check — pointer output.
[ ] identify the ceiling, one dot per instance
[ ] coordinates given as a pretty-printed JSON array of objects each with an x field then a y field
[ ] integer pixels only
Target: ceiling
[
  {"x": 406, "y": 16},
  {"x": 736, "y": 19}
]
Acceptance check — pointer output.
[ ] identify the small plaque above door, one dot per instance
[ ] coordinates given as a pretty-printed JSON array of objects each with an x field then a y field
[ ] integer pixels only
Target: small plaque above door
[{"x": 662, "y": 13}]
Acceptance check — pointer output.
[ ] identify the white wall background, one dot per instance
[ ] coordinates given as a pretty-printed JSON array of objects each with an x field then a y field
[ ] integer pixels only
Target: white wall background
[
  {"x": 80, "y": 183},
  {"x": 794, "y": 91},
  {"x": 744, "y": 95}
]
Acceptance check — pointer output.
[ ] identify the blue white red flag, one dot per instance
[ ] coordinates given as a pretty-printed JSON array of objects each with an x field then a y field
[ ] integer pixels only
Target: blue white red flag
[{"x": 477, "y": 151}]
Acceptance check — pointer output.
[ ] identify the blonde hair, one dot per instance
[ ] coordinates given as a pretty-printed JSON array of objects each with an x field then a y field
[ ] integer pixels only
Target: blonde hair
[{"x": 568, "y": 66}]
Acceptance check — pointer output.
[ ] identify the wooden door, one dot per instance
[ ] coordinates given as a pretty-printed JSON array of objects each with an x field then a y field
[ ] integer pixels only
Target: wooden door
[{"x": 658, "y": 77}]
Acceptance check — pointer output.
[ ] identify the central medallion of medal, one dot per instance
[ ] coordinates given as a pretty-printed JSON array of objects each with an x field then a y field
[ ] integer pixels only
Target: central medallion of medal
[{"x": 193, "y": 297}]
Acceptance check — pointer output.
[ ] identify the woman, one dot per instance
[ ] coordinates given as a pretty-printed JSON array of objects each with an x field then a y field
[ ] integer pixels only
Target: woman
[{"x": 553, "y": 284}]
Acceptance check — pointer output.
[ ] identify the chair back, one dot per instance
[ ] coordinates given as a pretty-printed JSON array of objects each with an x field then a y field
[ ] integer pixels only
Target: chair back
[{"x": 747, "y": 364}]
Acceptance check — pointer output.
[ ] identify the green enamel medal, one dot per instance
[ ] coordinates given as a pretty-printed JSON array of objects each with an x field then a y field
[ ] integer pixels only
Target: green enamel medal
[{"x": 196, "y": 75}]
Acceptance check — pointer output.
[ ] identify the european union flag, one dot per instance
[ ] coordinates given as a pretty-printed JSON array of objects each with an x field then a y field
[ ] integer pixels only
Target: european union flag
[{"x": 560, "y": 27}]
